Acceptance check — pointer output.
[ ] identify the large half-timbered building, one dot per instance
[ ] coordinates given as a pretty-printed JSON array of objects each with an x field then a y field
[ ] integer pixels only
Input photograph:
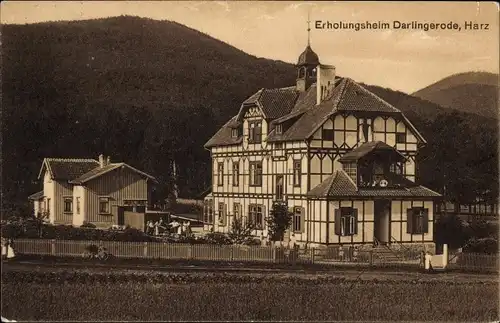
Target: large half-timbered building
[{"x": 342, "y": 158}]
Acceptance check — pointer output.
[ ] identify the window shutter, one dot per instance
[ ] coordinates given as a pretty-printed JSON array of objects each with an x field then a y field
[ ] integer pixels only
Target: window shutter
[
  {"x": 337, "y": 222},
  {"x": 302, "y": 219},
  {"x": 426, "y": 221},
  {"x": 224, "y": 215},
  {"x": 263, "y": 217},
  {"x": 241, "y": 214},
  {"x": 355, "y": 215},
  {"x": 409, "y": 221}
]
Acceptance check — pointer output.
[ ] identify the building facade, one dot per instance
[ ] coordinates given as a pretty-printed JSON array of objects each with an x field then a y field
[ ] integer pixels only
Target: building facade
[
  {"x": 341, "y": 158},
  {"x": 95, "y": 191}
]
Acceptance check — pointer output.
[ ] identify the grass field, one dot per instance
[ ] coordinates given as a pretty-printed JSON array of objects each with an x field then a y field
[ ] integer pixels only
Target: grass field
[{"x": 148, "y": 300}]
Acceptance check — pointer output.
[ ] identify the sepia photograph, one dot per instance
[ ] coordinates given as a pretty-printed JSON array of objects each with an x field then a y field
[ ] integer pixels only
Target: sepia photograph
[{"x": 242, "y": 161}]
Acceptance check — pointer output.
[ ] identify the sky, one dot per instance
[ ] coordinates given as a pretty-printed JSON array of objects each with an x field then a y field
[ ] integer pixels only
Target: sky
[{"x": 405, "y": 60}]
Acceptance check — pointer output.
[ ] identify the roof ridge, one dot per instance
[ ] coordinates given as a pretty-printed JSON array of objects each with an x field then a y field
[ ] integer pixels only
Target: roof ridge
[{"x": 71, "y": 159}]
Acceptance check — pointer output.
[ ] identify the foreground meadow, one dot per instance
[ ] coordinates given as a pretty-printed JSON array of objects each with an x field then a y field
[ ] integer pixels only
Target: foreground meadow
[{"x": 104, "y": 298}]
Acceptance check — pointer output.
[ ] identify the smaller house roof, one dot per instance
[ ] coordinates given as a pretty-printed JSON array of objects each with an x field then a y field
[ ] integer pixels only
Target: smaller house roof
[
  {"x": 96, "y": 172},
  {"x": 36, "y": 196},
  {"x": 67, "y": 168},
  {"x": 367, "y": 148},
  {"x": 340, "y": 185}
]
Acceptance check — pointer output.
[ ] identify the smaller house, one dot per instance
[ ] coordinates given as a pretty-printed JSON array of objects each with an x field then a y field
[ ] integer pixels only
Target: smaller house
[{"x": 95, "y": 191}]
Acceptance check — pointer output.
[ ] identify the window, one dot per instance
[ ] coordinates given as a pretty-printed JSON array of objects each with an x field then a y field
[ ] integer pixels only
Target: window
[
  {"x": 417, "y": 221},
  {"x": 255, "y": 173},
  {"x": 220, "y": 174},
  {"x": 78, "y": 205},
  {"x": 48, "y": 206},
  {"x": 236, "y": 173},
  {"x": 400, "y": 137},
  {"x": 68, "y": 205},
  {"x": 279, "y": 129},
  {"x": 351, "y": 170},
  {"x": 278, "y": 145},
  {"x": 346, "y": 221},
  {"x": 104, "y": 205},
  {"x": 396, "y": 168},
  {"x": 234, "y": 133},
  {"x": 236, "y": 211},
  {"x": 255, "y": 132},
  {"x": 279, "y": 187},
  {"x": 327, "y": 134},
  {"x": 209, "y": 211},
  {"x": 255, "y": 215},
  {"x": 298, "y": 218},
  {"x": 222, "y": 214},
  {"x": 296, "y": 172}
]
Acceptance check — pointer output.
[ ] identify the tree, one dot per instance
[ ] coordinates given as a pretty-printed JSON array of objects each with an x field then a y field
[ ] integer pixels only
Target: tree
[
  {"x": 279, "y": 220},
  {"x": 241, "y": 233}
]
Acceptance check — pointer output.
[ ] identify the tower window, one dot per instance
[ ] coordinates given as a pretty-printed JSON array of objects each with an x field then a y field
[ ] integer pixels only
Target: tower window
[
  {"x": 279, "y": 129},
  {"x": 302, "y": 72}
]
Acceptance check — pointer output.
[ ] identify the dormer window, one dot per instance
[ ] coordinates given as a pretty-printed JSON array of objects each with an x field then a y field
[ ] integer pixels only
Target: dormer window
[
  {"x": 234, "y": 133},
  {"x": 255, "y": 132},
  {"x": 279, "y": 129}
]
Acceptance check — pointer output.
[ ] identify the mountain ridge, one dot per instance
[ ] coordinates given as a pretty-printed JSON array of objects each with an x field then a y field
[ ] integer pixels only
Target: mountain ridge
[{"x": 473, "y": 92}]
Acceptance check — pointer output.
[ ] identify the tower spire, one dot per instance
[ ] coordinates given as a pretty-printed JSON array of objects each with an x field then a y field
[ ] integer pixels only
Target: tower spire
[{"x": 308, "y": 28}]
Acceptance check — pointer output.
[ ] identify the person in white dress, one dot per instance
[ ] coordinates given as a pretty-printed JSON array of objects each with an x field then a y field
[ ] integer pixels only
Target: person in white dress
[{"x": 10, "y": 249}]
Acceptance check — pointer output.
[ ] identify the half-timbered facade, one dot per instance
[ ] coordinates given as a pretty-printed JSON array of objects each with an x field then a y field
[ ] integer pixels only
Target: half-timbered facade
[
  {"x": 341, "y": 157},
  {"x": 88, "y": 190}
]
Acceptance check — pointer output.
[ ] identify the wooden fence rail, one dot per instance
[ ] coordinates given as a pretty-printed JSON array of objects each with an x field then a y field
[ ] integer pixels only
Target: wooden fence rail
[{"x": 158, "y": 250}]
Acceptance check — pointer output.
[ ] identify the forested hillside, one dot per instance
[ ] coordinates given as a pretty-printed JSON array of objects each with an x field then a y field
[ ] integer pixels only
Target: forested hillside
[{"x": 147, "y": 92}]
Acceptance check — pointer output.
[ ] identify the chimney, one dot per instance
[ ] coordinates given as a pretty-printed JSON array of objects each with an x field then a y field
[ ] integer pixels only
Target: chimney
[
  {"x": 325, "y": 80},
  {"x": 101, "y": 160}
]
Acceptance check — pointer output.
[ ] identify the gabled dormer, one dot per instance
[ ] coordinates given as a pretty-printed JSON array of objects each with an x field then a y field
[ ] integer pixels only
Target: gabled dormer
[{"x": 375, "y": 164}]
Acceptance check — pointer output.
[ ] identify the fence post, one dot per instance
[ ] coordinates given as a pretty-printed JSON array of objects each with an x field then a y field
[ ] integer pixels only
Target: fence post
[
  {"x": 53, "y": 247},
  {"x": 145, "y": 249},
  {"x": 231, "y": 253},
  {"x": 273, "y": 253},
  {"x": 190, "y": 251},
  {"x": 313, "y": 254},
  {"x": 371, "y": 257}
]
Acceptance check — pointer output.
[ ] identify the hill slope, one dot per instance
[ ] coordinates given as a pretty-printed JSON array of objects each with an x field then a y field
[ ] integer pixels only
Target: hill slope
[
  {"x": 143, "y": 91},
  {"x": 474, "y": 92}
]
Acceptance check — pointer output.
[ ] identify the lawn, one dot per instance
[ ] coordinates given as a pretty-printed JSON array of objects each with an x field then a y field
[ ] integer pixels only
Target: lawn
[{"x": 148, "y": 300}]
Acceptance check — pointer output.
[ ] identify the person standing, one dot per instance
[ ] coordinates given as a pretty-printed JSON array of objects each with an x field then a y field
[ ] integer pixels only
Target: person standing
[{"x": 10, "y": 249}]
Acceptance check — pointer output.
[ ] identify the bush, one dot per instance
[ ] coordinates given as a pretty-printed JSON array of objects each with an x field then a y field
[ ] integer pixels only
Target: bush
[
  {"x": 12, "y": 230},
  {"x": 482, "y": 245},
  {"x": 88, "y": 225}
]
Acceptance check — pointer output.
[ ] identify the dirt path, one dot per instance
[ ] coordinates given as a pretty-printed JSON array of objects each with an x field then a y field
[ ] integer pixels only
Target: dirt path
[{"x": 347, "y": 274}]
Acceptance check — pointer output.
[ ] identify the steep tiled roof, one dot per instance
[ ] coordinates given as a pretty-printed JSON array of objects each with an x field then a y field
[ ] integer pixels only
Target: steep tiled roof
[
  {"x": 99, "y": 171},
  {"x": 287, "y": 103},
  {"x": 278, "y": 102},
  {"x": 367, "y": 148},
  {"x": 67, "y": 168},
  {"x": 356, "y": 98},
  {"x": 223, "y": 136},
  {"x": 36, "y": 196},
  {"x": 340, "y": 185}
]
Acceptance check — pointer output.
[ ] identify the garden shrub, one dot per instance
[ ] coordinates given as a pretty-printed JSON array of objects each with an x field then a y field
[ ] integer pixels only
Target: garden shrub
[{"x": 88, "y": 225}]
